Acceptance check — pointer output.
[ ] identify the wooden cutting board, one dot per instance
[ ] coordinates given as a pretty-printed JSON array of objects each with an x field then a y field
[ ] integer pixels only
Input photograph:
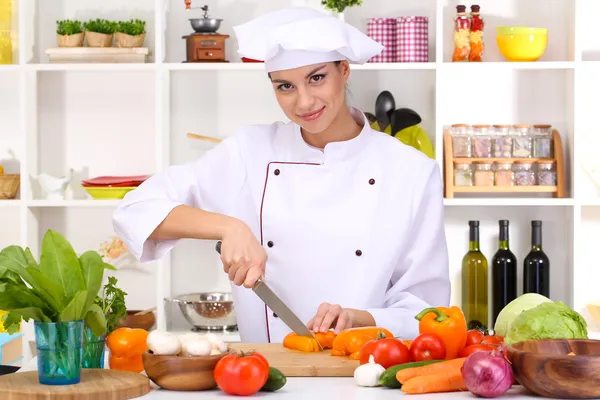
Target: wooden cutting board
[
  {"x": 298, "y": 363},
  {"x": 95, "y": 384}
]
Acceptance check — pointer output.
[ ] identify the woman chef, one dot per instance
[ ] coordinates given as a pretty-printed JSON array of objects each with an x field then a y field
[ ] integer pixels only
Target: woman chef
[{"x": 345, "y": 223}]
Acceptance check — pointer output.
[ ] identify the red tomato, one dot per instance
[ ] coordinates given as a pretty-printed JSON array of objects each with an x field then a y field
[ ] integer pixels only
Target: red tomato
[
  {"x": 492, "y": 340},
  {"x": 387, "y": 352},
  {"x": 428, "y": 346},
  {"x": 474, "y": 348},
  {"x": 241, "y": 375},
  {"x": 474, "y": 336}
]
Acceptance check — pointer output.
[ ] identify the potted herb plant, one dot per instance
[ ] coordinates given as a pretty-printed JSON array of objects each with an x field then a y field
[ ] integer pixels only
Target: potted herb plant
[
  {"x": 130, "y": 33},
  {"x": 99, "y": 32},
  {"x": 69, "y": 33},
  {"x": 339, "y": 6},
  {"x": 112, "y": 303},
  {"x": 58, "y": 294}
]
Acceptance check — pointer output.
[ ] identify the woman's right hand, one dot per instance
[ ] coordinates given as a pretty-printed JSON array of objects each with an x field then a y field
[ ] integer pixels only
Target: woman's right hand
[{"x": 243, "y": 257}]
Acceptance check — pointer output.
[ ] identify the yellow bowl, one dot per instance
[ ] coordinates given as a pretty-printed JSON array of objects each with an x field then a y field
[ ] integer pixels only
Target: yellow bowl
[
  {"x": 108, "y": 193},
  {"x": 517, "y": 43}
]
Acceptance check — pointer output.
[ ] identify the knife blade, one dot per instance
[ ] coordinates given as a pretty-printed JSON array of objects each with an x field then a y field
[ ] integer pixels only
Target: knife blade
[{"x": 264, "y": 292}]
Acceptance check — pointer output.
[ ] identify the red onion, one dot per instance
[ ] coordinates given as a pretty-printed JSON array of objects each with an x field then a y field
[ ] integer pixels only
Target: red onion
[{"x": 488, "y": 374}]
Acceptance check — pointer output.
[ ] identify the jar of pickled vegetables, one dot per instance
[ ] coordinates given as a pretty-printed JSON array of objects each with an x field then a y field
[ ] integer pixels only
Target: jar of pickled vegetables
[
  {"x": 542, "y": 141},
  {"x": 524, "y": 174},
  {"x": 522, "y": 143},
  {"x": 461, "y": 36},
  {"x": 463, "y": 174},
  {"x": 504, "y": 174},
  {"x": 461, "y": 140},
  {"x": 482, "y": 141},
  {"x": 502, "y": 141},
  {"x": 476, "y": 36},
  {"x": 546, "y": 173},
  {"x": 484, "y": 175}
]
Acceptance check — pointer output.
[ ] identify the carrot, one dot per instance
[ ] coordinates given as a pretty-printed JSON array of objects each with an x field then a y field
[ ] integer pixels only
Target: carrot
[
  {"x": 447, "y": 381},
  {"x": 432, "y": 369}
]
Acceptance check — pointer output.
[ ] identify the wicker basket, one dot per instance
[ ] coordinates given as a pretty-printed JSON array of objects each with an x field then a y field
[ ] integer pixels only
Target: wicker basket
[{"x": 9, "y": 185}]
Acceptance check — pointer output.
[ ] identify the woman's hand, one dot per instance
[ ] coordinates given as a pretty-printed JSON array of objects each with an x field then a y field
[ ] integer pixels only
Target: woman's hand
[
  {"x": 243, "y": 257},
  {"x": 333, "y": 315}
]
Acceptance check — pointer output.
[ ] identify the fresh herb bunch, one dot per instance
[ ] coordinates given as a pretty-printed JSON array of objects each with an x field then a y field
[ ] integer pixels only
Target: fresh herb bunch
[
  {"x": 112, "y": 303},
  {"x": 100, "y": 26},
  {"x": 69, "y": 27},
  {"x": 132, "y": 27},
  {"x": 340, "y": 5}
]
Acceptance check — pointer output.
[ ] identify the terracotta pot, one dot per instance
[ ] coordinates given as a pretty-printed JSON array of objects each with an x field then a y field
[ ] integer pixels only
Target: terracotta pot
[
  {"x": 95, "y": 39},
  {"x": 75, "y": 40},
  {"x": 128, "y": 41}
]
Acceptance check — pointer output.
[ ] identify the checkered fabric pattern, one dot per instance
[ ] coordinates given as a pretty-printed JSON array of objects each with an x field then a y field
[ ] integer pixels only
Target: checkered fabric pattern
[
  {"x": 383, "y": 31},
  {"x": 412, "y": 39}
]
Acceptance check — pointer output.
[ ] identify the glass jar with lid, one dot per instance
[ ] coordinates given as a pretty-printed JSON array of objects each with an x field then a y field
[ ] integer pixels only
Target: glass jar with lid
[
  {"x": 504, "y": 174},
  {"x": 546, "y": 173},
  {"x": 524, "y": 174},
  {"x": 463, "y": 174},
  {"x": 461, "y": 140},
  {"x": 522, "y": 144},
  {"x": 502, "y": 141},
  {"x": 542, "y": 141},
  {"x": 482, "y": 141},
  {"x": 484, "y": 174}
]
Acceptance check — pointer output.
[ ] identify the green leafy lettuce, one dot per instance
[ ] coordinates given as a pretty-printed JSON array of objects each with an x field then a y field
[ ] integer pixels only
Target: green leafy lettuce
[
  {"x": 61, "y": 288},
  {"x": 549, "y": 320}
]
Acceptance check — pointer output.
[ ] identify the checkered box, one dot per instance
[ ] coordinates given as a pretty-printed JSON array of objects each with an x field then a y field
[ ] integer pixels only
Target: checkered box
[
  {"x": 383, "y": 31},
  {"x": 412, "y": 39}
]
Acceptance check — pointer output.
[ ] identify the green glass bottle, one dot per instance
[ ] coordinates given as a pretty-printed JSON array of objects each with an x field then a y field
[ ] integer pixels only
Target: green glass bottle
[{"x": 475, "y": 282}]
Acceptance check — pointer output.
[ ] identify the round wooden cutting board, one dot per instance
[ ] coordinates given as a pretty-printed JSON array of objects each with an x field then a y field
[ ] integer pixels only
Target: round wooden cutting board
[{"x": 96, "y": 384}]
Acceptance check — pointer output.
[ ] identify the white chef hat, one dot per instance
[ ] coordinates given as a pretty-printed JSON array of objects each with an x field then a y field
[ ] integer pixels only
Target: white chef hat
[{"x": 298, "y": 36}]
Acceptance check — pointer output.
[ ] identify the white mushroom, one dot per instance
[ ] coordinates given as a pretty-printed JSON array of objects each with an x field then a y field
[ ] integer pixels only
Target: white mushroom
[{"x": 163, "y": 343}]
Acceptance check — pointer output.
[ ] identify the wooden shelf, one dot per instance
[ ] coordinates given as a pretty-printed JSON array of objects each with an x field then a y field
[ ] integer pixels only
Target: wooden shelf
[{"x": 504, "y": 189}]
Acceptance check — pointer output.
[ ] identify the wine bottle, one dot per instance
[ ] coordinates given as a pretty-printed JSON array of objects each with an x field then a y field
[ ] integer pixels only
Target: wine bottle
[
  {"x": 504, "y": 273},
  {"x": 475, "y": 282},
  {"x": 536, "y": 268}
]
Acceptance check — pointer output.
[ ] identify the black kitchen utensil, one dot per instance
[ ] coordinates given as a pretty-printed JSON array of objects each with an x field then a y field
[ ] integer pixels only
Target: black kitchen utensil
[
  {"x": 370, "y": 117},
  {"x": 402, "y": 118},
  {"x": 384, "y": 104}
]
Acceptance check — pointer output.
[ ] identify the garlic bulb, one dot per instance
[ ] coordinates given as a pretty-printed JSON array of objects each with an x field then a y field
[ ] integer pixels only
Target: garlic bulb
[
  {"x": 163, "y": 343},
  {"x": 196, "y": 348},
  {"x": 368, "y": 374}
]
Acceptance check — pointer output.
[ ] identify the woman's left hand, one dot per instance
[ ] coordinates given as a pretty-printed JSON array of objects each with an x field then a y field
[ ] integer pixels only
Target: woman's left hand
[{"x": 329, "y": 315}]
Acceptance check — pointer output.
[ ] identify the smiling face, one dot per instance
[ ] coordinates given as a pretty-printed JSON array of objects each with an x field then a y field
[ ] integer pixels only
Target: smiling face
[{"x": 312, "y": 96}]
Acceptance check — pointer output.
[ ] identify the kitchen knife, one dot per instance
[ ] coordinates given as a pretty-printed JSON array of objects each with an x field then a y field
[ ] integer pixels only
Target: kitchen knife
[{"x": 282, "y": 311}]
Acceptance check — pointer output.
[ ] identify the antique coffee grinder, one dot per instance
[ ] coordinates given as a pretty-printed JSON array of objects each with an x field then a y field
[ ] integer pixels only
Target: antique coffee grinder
[{"x": 205, "y": 44}]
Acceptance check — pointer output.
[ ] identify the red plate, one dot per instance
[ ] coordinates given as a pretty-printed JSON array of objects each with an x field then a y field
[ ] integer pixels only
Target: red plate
[{"x": 115, "y": 181}]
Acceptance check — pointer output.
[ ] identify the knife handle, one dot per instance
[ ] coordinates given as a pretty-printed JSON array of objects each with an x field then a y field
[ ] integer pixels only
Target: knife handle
[{"x": 218, "y": 248}]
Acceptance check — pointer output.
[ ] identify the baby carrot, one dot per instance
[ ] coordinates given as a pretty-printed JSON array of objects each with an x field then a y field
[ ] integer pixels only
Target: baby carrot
[
  {"x": 446, "y": 381},
  {"x": 432, "y": 369}
]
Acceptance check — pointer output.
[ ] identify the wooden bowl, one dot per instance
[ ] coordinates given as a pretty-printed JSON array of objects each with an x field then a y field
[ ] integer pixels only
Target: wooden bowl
[
  {"x": 545, "y": 368},
  {"x": 181, "y": 373},
  {"x": 145, "y": 321}
]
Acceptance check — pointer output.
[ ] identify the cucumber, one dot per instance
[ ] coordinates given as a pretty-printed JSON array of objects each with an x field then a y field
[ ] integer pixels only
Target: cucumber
[
  {"x": 388, "y": 377},
  {"x": 275, "y": 382}
]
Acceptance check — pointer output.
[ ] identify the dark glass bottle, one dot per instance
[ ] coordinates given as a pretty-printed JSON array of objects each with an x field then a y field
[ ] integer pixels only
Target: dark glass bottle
[
  {"x": 504, "y": 273},
  {"x": 475, "y": 282},
  {"x": 536, "y": 268}
]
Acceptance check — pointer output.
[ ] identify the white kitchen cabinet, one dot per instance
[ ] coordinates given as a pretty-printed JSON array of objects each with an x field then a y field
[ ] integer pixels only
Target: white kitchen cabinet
[{"x": 130, "y": 119}]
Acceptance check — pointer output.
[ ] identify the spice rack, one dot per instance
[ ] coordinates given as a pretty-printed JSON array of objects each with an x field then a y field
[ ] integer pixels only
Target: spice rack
[{"x": 450, "y": 188}]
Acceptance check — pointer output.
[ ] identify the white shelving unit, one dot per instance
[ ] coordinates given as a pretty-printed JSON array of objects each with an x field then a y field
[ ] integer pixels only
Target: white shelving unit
[{"x": 130, "y": 119}]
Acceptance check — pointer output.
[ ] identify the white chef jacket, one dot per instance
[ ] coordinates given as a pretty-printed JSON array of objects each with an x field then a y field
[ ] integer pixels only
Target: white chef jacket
[{"x": 359, "y": 223}]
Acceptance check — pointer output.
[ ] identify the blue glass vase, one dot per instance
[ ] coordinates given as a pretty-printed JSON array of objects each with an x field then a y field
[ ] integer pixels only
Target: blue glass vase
[
  {"x": 58, "y": 346},
  {"x": 93, "y": 350}
]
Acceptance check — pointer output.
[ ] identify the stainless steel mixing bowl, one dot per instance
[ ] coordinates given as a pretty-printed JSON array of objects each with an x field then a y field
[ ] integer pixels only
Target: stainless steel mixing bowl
[
  {"x": 205, "y": 25},
  {"x": 209, "y": 311}
]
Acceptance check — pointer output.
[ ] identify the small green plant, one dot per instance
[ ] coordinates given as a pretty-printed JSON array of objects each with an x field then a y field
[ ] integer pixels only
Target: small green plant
[
  {"x": 340, "y": 5},
  {"x": 69, "y": 27},
  {"x": 112, "y": 303},
  {"x": 132, "y": 27},
  {"x": 100, "y": 26}
]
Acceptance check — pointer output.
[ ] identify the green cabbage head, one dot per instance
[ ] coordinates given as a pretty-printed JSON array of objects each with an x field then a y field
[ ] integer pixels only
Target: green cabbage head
[{"x": 512, "y": 310}]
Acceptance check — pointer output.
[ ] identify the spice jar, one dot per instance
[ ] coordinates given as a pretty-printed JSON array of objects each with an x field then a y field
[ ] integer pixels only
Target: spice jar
[
  {"x": 484, "y": 175},
  {"x": 463, "y": 174},
  {"x": 522, "y": 144},
  {"x": 524, "y": 174},
  {"x": 462, "y": 31},
  {"x": 504, "y": 174},
  {"x": 546, "y": 174},
  {"x": 482, "y": 141},
  {"x": 461, "y": 140},
  {"x": 502, "y": 141},
  {"x": 542, "y": 141}
]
